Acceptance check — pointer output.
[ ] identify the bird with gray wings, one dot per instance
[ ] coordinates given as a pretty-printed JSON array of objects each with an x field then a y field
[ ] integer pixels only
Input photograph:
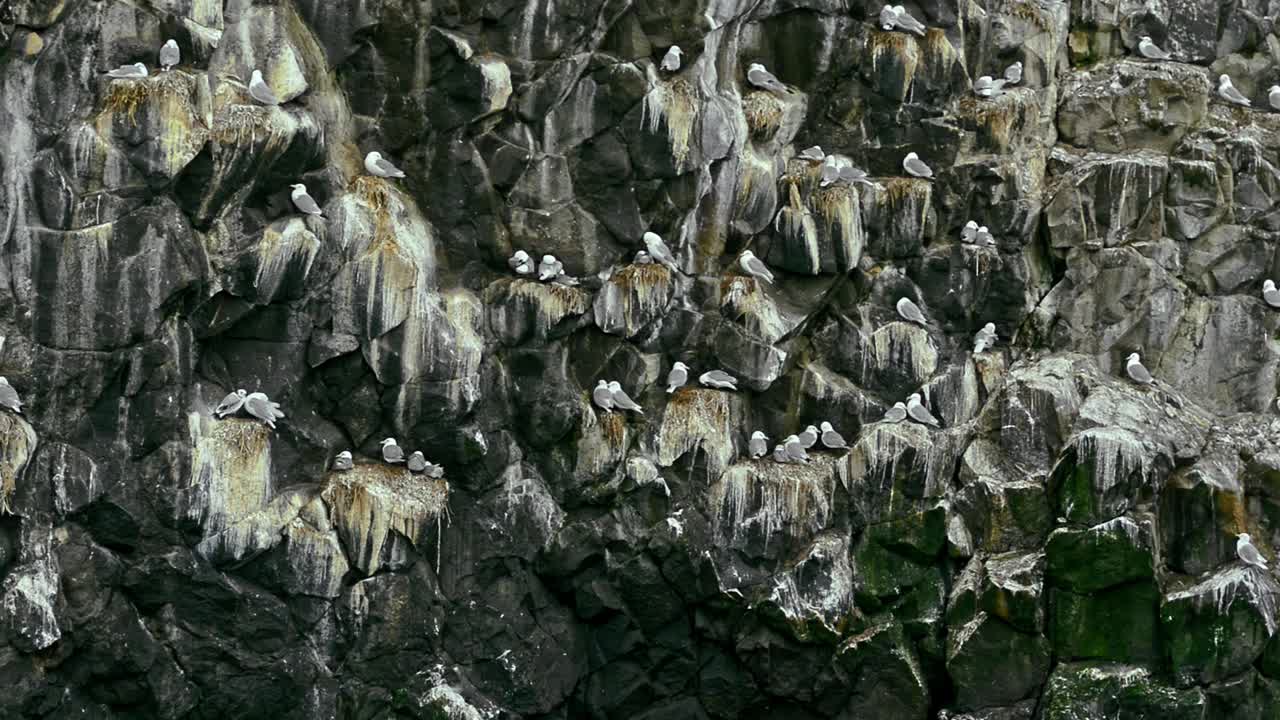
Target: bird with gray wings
[
  {"x": 758, "y": 445},
  {"x": 1150, "y": 50},
  {"x": 1136, "y": 371},
  {"x": 1270, "y": 294},
  {"x": 755, "y": 267},
  {"x": 378, "y": 166},
  {"x": 831, "y": 439},
  {"x": 391, "y": 452},
  {"x": 759, "y": 77},
  {"x": 910, "y": 312},
  {"x": 1227, "y": 91},
  {"x": 1248, "y": 552},
  {"x": 678, "y": 376},
  {"x": 718, "y": 379},
  {"x": 231, "y": 404},
  {"x": 9, "y": 397},
  {"x": 303, "y": 200},
  {"x": 259, "y": 406},
  {"x": 342, "y": 462},
  {"x": 671, "y": 61},
  {"x": 918, "y": 412},
  {"x": 170, "y": 55},
  {"x": 259, "y": 89},
  {"x": 129, "y": 72},
  {"x": 621, "y": 400},
  {"x": 602, "y": 396},
  {"x": 659, "y": 251}
]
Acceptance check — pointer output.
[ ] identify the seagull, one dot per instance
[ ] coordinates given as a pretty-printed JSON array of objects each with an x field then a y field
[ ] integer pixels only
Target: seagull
[
  {"x": 376, "y": 165},
  {"x": 521, "y": 263},
  {"x": 549, "y": 268},
  {"x": 169, "y": 54},
  {"x": 1013, "y": 73},
  {"x": 830, "y": 171},
  {"x": 1270, "y": 294},
  {"x": 259, "y": 90},
  {"x": 908, "y": 22},
  {"x": 659, "y": 252},
  {"x": 1229, "y": 92},
  {"x": 260, "y": 407},
  {"x": 969, "y": 232},
  {"x": 129, "y": 72},
  {"x": 911, "y": 312},
  {"x": 809, "y": 437},
  {"x": 435, "y": 471},
  {"x": 895, "y": 414},
  {"x": 1248, "y": 553},
  {"x": 718, "y": 379},
  {"x": 795, "y": 449},
  {"x": 916, "y": 167},
  {"x": 813, "y": 154},
  {"x": 755, "y": 267},
  {"x": 1273, "y": 97},
  {"x": 888, "y": 18},
  {"x": 678, "y": 376},
  {"x": 986, "y": 87},
  {"x": 831, "y": 439},
  {"x": 391, "y": 452},
  {"x": 565, "y": 280},
  {"x": 230, "y": 404},
  {"x": 1150, "y": 50},
  {"x": 621, "y": 399},
  {"x": 603, "y": 396},
  {"x": 671, "y": 61},
  {"x": 643, "y": 258},
  {"x": 303, "y": 201},
  {"x": 758, "y": 76},
  {"x": 343, "y": 461},
  {"x": 780, "y": 454},
  {"x": 919, "y": 412},
  {"x": 758, "y": 445},
  {"x": 9, "y": 397},
  {"x": 417, "y": 462},
  {"x": 852, "y": 174},
  {"x": 983, "y": 237},
  {"x": 1137, "y": 373},
  {"x": 985, "y": 338}
]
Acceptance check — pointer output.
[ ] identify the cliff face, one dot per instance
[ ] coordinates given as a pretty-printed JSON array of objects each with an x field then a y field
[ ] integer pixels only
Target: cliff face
[{"x": 1063, "y": 547}]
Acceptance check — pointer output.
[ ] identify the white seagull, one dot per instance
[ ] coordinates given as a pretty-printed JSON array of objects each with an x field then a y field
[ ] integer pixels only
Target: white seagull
[
  {"x": 230, "y": 404},
  {"x": 343, "y": 462},
  {"x": 851, "y": 174},
  {"x": 129, "y": 72},
  {"x": 1228, "y": 92},
  {"x": 1273, "y": 97},
  {"x": 831, "y": 439},
  {"x": 169, "y": 54},
  {"x": 642, "y": 258},
  {"x": 985, "y": 338},
  {"x": 259, "y": 406},
  {"x": 1248, "y": 553},
  {"x": 1013, "y": 73},
  {"x": 603, "y": 396},
  {"x": 521, "y": 263},
  {"x": 659, "y": 251},
  {"x": 671, "y": 61},
  {"x": 813, "y": 154},
  {"x": 417, "y": 462},
  {"x": 1137, "y": 373},
  {"x": 916, "y": 167},
  {"x": 259, "y": 90},
  {"x": 718, "y": 379},
  {"x": 830, "y": 171},
  {"x": 969, "y": 232},
  {"x": 780, "y": 454},
  {"x": 678, "y": 376},
  {"x": 755, "y": 267},
  {"x": 391, "y": 452},
  {"x": 1270, "y": 294},
  {"x": 795, "y": 449},
  {"x": 984, "y": 237},
  {"x": 1150, "y": 50},
  {"x": 303, "y": 201},
  {"x": 758, "y": 76},
  {"x": 888, "y": 18},
  {"x": 621, "y": 399},
  {"x": 918, "y": 412},
  {"x": 758, "y": 445},
  {"x": 907, "y": 22},
  {"x": 9, "y": 397},
  {"x": 809, "y": 437},
  {"x": 549, "y": 268},
  {"x": 910, "y": 312},
  {"x": 376, "y": 165},
  {"x": 895, "y": 414},
  {"x": 986, "y": 87}
]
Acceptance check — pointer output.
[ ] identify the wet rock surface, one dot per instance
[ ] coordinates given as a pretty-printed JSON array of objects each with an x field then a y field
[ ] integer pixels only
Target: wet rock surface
[{"x": 1061, "y": 547}]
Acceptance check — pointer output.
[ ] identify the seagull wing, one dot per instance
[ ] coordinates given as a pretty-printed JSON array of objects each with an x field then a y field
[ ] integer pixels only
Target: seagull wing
[
  {"x": 757, "y": 267},
  {"x": 895, "y": 414},
  {"x": 388, "y": 169},
  {"x": 1250, "y": 554},
  {"x": 307, "y": 204},
  {"x": 393, "y": 453},
  {"x": 259, "y": 407},
  {"x": 921, "y": 414},
  {"x": 1272, "y": 297},
  {"x": 603, "y": 397},
  {"x": 623, "y": 400},
  {"x": 9, "y": 397},
  {"x": 229, "y": 404},
  {"x": 833, "y": 440},
  {"x": 758, "y": 446},
  {"x": 676, "y": 379},
  {"x": 916, "y": 167},
  {"x": 1233, "y": 95},
  {"x": 1138, "y": 373},
  {"x": 169, "y": 55},
  {"x": 263, "y": 94}
]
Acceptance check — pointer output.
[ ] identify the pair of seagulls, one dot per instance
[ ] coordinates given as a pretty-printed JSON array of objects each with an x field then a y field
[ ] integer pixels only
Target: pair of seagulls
[
  {"x": 718, "y": 379},
  {"x": 374, "y": 164},
  {"x": 169, "y": 56},
  {"x": 896, "y": 17},
  {"x": 548, "y": 269},
  {"x": 256, "y": 404},
  {"x": 832, "y": 171},
  {"x": 609, "y": 396},
  {"x": 975, "y": 234},
  {"x": 988, "y": 87},
  {"x": 393, "y": 454},
  {"x": 794, "y": 448},
  {"x": 913, "y": 409},
  {"x": 1227, "y": 91}
]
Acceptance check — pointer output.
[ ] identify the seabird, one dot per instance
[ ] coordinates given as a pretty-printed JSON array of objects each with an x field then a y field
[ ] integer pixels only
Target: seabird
[
  {"x": 908, "y": 22},
  {"x": 1273, "y": 97},
  {"x": 985, "y": 338},
  {"x": 1137, "y": 373},
  {"x": 758, "y": 445},
  {"x": 435, "y": 471},
  {"x": 303, "y": 201},
  {"x": 391, "y": 452},
  {"x": 1013, "y": 73},
  {"x": 987, "y": 87},
  {"x": 230, "y": 404},
  {"x": 259, "y": 90},
  {"x": 813, "y": 154},
  {"x": 916, "y": 167},
  {"x": 521, "y": 263},
  {"x": 603, "y": 396},
  {"x": 259, "y": 406},
  {"x": 169, "y": 54},
  {"x": 830, "y": 171},
  {"x": 755, "y": 267},
  {"x": 795, "y": 449},
  {"x": 758, "y": 76},
  {"x": 9, "y": 397},
  {"x": 1150, "y": 50},
  {"x": 831, "y": 439},
  {"x": 809, "y": 437},
  {"x": 1270, "y": 294},
  {"x": 910, "y": 312},
  {"x": 919, "y": 412},
  {"x": 671, "y": 61},
  {"x": 343, "y": 461},
  {"x": 780, "y": 454},
  {"x": 659, "y": 252},
  {"x": 678, "y": 376},
  {"x": 565, "y": 280},
  {"x": 621, "y": 399},
  {"x": 1228, "y": 92},
  {"x": 888, "y": 18},
  {"x": 851, "y": 174},
  {"x": 129, "y": 72},
  {"x": 983, "y": 237},
  {"x": 417, "y": 462},
  {"x": 1248, "y": 553},
  {"x": 896, "y": 414},
  {"x": 642, "y": 258},
  {"x": 376, "y": 165},
  {"x": 969, "y": 232},
  {"x": 718, "y": 379},
  {"x": 549, "y": 268}
]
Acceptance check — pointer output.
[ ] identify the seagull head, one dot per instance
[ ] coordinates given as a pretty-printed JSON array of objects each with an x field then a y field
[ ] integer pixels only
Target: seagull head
[
  {"x": 1144, "y": 39},
  {"x": 241, "y": 392},
  {"x": 373, "y": 155},
  {"x": 642, "y": 257},
  {"x": 1133, "y": 358},
  {"x": 255, "y": 76},
  {"x": 748, "y": 255},
  {"x": 602, "y": 384},
  {"x": 1269, "y": 285},
  {"x": 1017, "y": 64},
  {"x": 900, "y": 405},
  {"x": 1243, "y": 536},
  {"x": 914, "y": 398},
  {"x": 299, "y": 186},
  {"x": 899, "y": 9},
  {"x": 792, "y": 438},
  {"x": 418, "y": 454},
  {"x": 388, "y": 441},
  {"x": 652, "y": 237},
  {"x": 811, "y": 429},
  {"x": 548, "y": 259},
  {"x": 912, "y": 156},
  {"x": 615, "y": 386},
  {"x": 757, "y": 435},
  {"x": 680, "y": 365},
  {"x": 1224, "y": 80},
  {"x": 989, "y": 327},
  {"x": 971, "y": 225},
  {"x": 171, "y": 43},
  {"x": 826, "y": 427},
  {"x": 676, "y": 49},
  {"x": 983, "y": 229},
  {"x": 756, "y": 66},
  {"x": 345, "y": 454},
  {"x": 521, "y": 255}
]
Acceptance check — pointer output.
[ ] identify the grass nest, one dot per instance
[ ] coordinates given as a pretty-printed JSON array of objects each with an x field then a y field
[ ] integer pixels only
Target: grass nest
[
  {"x": 642, "y": 277},
  {"x": 676, "y": 104},
  {"x": 244, "y": 436},
  {"x": 234, "y": 122},
  {"x": 764, "y": 113}
]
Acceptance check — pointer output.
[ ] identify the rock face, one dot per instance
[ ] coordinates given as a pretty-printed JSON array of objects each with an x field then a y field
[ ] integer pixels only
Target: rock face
[{"x": 1061, "y": 547}]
